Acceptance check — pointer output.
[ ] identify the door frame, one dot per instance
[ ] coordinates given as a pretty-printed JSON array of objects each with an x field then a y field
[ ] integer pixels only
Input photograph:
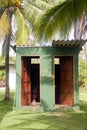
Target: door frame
[
  {"x": 21, "y": 75},
  {"x": 54, "y": 78}
]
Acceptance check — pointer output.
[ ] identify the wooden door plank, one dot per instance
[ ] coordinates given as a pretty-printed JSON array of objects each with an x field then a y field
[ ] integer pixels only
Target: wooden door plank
[
  {"x": 66, "y": 80},
  {"x": 26, "y": 82}
]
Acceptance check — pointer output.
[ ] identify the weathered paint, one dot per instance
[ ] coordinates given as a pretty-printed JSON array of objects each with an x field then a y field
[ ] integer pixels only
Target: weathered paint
[{"x": 46, "y": 55}]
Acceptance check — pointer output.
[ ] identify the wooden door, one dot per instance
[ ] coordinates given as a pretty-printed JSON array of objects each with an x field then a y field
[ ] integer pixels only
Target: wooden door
[
  {"x": 26, "y": 82},
  {"x": 66, "y": 80}
]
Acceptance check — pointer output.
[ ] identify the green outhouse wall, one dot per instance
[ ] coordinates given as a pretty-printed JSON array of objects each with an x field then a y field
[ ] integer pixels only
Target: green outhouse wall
[{"x": 47, "y": 55}]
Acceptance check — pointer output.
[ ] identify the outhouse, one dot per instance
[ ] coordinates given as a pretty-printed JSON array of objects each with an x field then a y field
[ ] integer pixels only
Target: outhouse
[{"x": 47, "y": 76}]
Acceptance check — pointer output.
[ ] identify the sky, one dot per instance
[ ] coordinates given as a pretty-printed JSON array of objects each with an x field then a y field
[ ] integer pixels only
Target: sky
[{"x": 12, "y": 53}]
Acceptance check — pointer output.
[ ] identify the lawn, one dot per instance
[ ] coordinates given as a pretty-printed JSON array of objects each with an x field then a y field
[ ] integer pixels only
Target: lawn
[{"x": 24, "y": 120}]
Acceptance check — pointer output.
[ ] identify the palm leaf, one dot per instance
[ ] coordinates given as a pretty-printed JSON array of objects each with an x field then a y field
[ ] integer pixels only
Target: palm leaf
[
  {"x": 22, "y": 28},
  {"x": 41, "y": 4},
  {"x": 51, "y": 2},
  {"x": 4, "y": 24},
  {"x": 34, "y": 10},
  {"x": 60, "y": 18},
  {"x": 32, "y": 13}
]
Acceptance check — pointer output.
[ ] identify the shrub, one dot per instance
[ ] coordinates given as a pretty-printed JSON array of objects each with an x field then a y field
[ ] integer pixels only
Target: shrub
[
  {"x": 82, "y": 72},
  {"x": 2, "y": 75}
]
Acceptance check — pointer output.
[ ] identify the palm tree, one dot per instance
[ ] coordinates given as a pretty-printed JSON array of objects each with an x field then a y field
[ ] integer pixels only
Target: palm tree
[
  {"x": 60, "y": 18},
  {"x": 79, "y": 28},
  {"x": 17, "y": 20}
]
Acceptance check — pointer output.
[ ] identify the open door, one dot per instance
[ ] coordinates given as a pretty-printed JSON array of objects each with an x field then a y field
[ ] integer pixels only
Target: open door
[
  {"x": 66, "y": 80},
  {"x": 30, "y": 81},
  {"x": 64, "y": 92},
  {"x": 26, "y": 82}
]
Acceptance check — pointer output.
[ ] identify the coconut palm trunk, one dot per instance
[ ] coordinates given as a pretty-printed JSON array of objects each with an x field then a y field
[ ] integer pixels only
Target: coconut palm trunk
[
  {"x": 7, "y": 40},
  {"x": 7, "y": 91},
  {"x": 79, "y": 27}
]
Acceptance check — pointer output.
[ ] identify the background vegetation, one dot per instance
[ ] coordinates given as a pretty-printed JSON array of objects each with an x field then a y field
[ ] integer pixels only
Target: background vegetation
[
  {"x": 82, "y": 72},
  {"x": 2, "y": 66},
  {"x": 2, "y": 75}
]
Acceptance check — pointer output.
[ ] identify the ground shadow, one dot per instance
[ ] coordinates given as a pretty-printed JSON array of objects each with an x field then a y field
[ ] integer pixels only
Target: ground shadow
[{"x": 5, "y": 106}]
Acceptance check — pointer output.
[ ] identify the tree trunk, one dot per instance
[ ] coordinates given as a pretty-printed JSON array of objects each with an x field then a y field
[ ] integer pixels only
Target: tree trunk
[
  {"x": 7, "y": 90},
  {"x": 76, "y": 30},
  {"x": 79, "y": 33},
  {"x": 79, "y": 27},
  {"x": 7, "y": 42}
]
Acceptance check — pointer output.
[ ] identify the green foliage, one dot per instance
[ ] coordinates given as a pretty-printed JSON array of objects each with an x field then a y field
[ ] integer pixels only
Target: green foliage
[
  {"x": 2, "y": 66},
  {"x": 2, "y": 75},
  {"x": 5, "y": 106},
  {"x": 60, "y": 18},
  {"x": 82, "y": 72},
  {"x": 2, "y": 60},
  {"x": 23, "y": 29},
  {"x": 24, "y": 15}
]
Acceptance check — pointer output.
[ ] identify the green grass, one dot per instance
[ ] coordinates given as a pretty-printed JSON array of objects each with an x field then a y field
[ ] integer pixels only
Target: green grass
[
  {"x": 24, "y": 120},
  {"x": 5, "y": 106}
]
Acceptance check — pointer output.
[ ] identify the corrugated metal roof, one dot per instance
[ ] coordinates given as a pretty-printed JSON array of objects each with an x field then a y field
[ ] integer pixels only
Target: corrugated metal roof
[
  {"x": 69, "y": 43},
  {"x": 61, "y": 43}
]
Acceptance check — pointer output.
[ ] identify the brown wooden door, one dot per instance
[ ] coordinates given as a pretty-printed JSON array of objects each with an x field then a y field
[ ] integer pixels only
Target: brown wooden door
[
  {"x": 26, "y": 82},
  {"x": 66, "y": 80}
]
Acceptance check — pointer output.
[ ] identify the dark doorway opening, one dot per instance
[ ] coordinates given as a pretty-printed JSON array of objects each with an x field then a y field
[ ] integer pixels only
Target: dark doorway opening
[
  {"x": 57, "y": 83},
  {"x": 35, "y": 80},
  {"x": 30, "y": 82},
  {"x": 63, "y": 69}
]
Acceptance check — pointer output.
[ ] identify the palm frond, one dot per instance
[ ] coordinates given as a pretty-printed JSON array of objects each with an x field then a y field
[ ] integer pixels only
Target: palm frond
[
  {"x": 60, "y": 18},
  {"x": 32, "y": 14},
  {"x": 41, "y": 4},
  {"x": 22, "y": 28},
  {"x": 51, "y": 2},
  {"x": 34, "y": 10},
  {"x": 4, "y": 24}
]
